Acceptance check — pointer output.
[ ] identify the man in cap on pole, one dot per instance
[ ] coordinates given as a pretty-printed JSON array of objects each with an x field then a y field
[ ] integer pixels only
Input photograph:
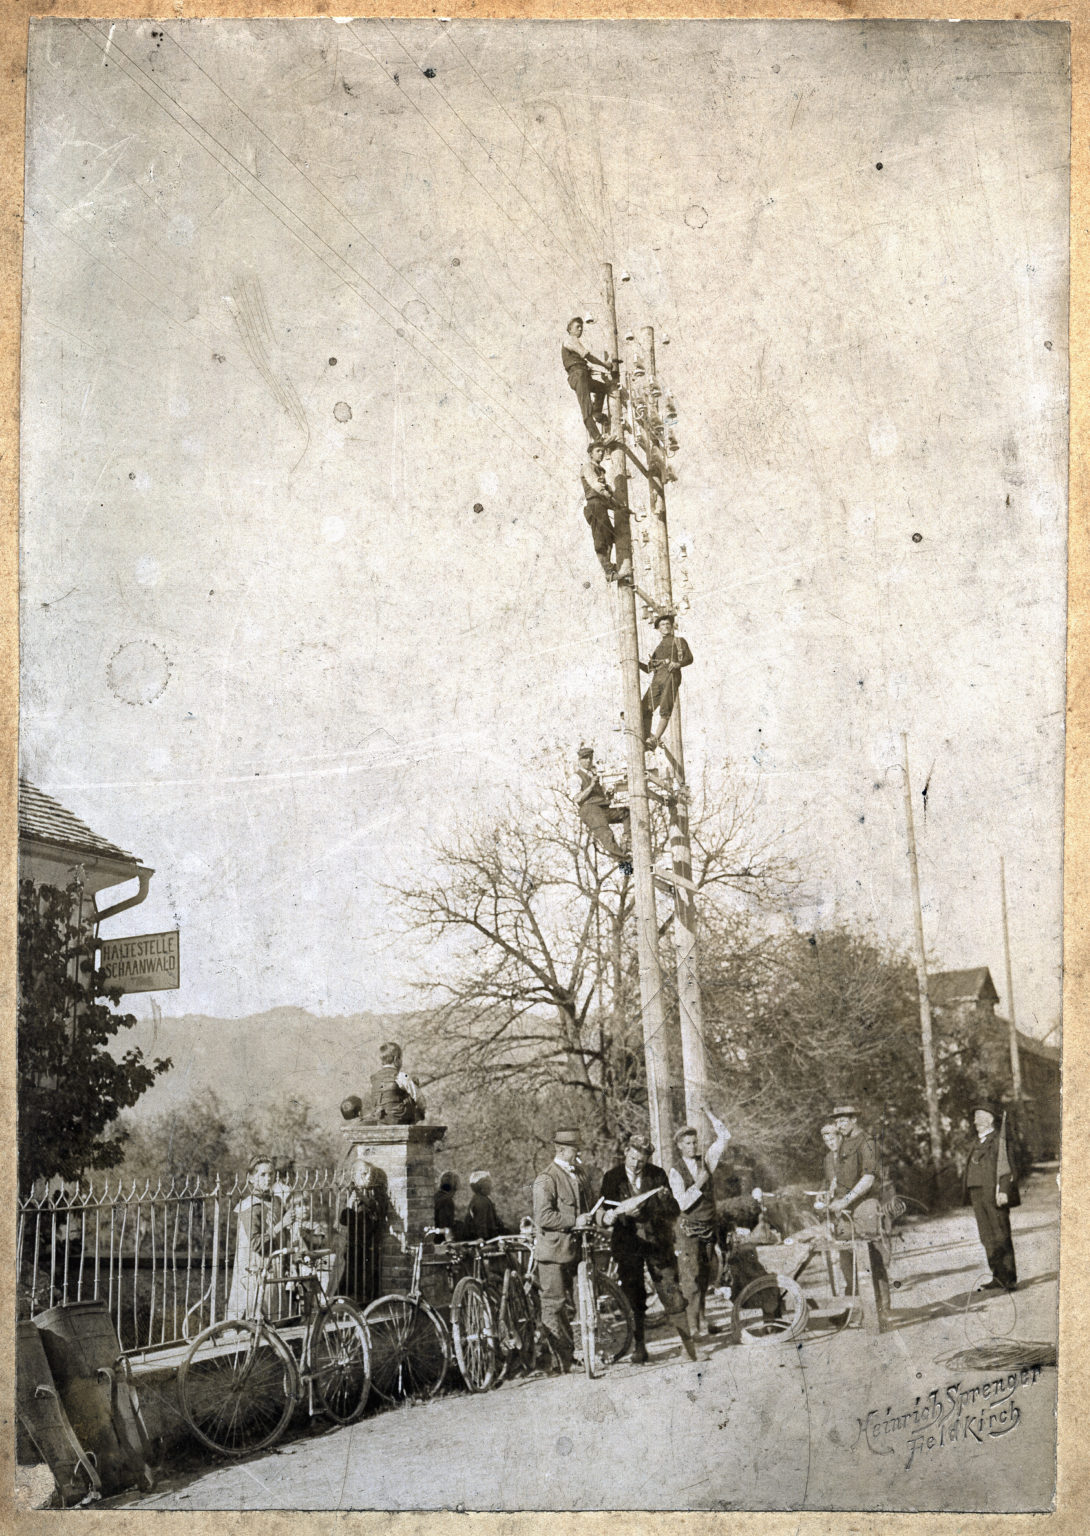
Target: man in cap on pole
[
  {"x": 642, "y": 1237},
  {"x": 664, "y": 664},
  {"x": 992, "y": 1189},
  {"x": 561, "y": 1209},
  {"x": 691, "y": 1185},
  {"x": 856, "y": 1183},
  {"x": 596, "y": 811}
]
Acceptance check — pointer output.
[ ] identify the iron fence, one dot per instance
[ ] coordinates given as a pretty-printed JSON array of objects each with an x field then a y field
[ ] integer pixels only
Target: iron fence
[{"x": 162, "y": 1257}]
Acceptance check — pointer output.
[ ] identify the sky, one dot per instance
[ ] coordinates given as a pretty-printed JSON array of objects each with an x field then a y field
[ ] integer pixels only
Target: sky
[{"x": 293, "y": 300}]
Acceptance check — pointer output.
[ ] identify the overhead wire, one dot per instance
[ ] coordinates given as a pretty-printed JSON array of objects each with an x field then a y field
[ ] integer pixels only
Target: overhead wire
[
  {"x": 340, "y": 212},
  {"x": 576, "y": 260},
  {"x": 92, "y": 31}
]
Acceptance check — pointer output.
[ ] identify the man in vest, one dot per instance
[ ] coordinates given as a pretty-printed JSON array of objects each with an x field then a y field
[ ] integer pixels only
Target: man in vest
[
  {"x": 664, "y": 664},
  {"x": 589, "y": 376},
  {"x": 561, "y": 1209},
  {"x": 596, "y": 811},
  {"x": 857, "y": 1179},
  {"x": 395, "y": 1097},
  {"x": 643, "y": 1239},
  {"x": 991, "y": 1187},
  {"x": 691, "y": 1184},
  {"x": 599, "y": 498}
]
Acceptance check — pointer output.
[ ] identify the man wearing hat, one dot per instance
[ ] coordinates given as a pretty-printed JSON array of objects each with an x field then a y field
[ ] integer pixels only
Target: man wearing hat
[
  {"x": 642, "y": 1238},
  {"x": 596, "y": 811},
  {"x": 856, "y": 1180},
  {"x": 599, "y": 501},
  {"x": 561, "y": 1208},
  {"x": 691, "y": 1185},
  {"x": 664, "y": 664},
  {"x": 992, "y": 1189}
]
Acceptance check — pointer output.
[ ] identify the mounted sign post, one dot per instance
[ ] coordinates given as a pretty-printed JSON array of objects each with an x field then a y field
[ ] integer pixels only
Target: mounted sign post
[{"x": 148, "y": 962}]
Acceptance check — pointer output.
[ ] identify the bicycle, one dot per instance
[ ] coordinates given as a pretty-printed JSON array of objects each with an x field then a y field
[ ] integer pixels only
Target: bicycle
[
  {"x": 495, "y": 1319},
  {"x": 240, "y": 1382},
  {"x": 410, "y": 1353},
  {"x": 603, "y": 1326}
]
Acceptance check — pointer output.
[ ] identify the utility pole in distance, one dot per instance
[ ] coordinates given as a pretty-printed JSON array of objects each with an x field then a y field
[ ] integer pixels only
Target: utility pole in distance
[
  {"x": 652, "y": 1003},
  {"x": 1016, "y": 1060},
  {"x": 690, "y": 1006},
  {"x": 929, "y": 1077}
]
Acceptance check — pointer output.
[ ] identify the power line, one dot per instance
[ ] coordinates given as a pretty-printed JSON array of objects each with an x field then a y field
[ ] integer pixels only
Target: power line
[
  {"x": 117, "y": 50},
  {"x": 341, "y": 214},
  {"x": 576, "y": 260}
]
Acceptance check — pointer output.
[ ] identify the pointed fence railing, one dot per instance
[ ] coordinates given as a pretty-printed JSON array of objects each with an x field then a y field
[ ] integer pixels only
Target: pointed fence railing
[{"x": 161, "y": 1256}]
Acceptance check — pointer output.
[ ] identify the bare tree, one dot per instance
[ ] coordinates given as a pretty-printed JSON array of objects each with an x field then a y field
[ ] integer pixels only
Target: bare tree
[{"x": 539, "y": 986}]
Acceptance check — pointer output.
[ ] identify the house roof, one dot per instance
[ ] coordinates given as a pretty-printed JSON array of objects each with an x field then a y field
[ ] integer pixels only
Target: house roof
[
  {"x": 946, "y": 987},
  {"x": 46, "y": 821}
]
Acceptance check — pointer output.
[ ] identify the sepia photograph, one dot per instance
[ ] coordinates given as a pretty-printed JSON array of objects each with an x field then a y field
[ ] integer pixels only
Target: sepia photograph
[{"x": 542, "y": 620}]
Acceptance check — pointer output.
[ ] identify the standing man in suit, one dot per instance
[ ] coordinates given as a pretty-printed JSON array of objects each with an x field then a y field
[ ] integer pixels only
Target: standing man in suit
[
  {"x": 561, "y": 1209},
  {"x": 991, "y": 1187},
  {"x": 691, "y": 1185},
  {"x": 643, "y": 1239}
]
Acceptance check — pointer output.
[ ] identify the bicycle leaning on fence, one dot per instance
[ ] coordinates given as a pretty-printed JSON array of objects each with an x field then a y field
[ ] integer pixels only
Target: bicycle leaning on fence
[
  {"x": 240, "y": 1380},
  {"x": 410, "y": 1352}
]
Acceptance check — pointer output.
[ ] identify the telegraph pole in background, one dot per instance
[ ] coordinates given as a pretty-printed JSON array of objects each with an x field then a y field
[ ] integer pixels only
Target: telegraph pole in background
[
  {"x": 930, "y": 1082},
  {"x": 652, "y": 1009},
  {"x": 1016, "y": 1060},
  {"x": 690, "y": 1007}
]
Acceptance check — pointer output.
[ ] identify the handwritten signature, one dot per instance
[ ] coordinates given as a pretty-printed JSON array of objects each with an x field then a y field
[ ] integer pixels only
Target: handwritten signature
[{"x": 954, "y": 1414}]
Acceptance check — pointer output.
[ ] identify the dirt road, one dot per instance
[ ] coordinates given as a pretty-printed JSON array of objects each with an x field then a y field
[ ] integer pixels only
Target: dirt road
[{"x": 843, "y": 1421}]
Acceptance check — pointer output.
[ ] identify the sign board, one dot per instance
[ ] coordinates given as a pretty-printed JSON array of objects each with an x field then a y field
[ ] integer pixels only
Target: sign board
[{"x": 148, "y": 962}]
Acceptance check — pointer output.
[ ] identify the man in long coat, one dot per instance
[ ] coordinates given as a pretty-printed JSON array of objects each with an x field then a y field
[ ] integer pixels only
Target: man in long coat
[
  {"x": 561, "y": 1209},
  {"x": 643, "y": 1239},
  {"x": 991, "y": 1187}
]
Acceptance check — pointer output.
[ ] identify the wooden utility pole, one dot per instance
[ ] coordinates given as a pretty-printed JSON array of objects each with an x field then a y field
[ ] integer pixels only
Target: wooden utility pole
[
  {"x": 652, "y": 1003},
  {"x": 1016, "y": 1060},
  {"x": 690, "y": 1006},
  {"x": 929, "y": 1077}
]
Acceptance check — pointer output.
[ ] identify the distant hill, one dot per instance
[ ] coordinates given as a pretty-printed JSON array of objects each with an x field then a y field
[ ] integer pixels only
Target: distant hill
[{"x": 248, "y": 1061}]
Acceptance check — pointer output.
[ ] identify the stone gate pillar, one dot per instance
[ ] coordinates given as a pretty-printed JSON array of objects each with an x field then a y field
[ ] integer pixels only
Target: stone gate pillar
[{"x": 406, "y": 1155}]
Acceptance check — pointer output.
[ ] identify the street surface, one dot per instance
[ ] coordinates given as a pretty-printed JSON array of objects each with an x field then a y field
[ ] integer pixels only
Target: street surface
[{"x": 831, "y": 1422}]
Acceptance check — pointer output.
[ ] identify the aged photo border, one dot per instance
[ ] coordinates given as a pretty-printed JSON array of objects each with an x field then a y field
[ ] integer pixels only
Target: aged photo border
[{"x": 1073, "y": 1485}]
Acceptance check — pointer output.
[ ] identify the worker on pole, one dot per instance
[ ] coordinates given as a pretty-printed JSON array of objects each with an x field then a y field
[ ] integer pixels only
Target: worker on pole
[
  {"x": 600, "y": 501},
  {"x": 596, "y": 810},
  {"x": 589, "y": 376},
  {"x": 664, "y": 664}
]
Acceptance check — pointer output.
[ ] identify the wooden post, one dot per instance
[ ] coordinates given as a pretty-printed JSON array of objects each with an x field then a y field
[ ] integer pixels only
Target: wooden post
[
  {"x": 1016, "y": 1060},
  {"x": 690, "y": 1005},
  {"x": 927, "y": 1040},
  {"x": 652, "y": 1003}
]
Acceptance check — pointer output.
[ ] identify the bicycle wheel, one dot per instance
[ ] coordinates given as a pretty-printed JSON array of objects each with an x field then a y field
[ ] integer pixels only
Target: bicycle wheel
[
  {"x": 615, "y": 1326},
  {"x": 474, "y": 1334},
  {"x": 238, "y": 1384},
  {"x": 518, "y": 1327},
  {"x": 409, "y": 1349},
  {"x": 585, "y": 1328},
  {"x": 769, "y": 1310},
  {"x": 340, "y": 1359}
]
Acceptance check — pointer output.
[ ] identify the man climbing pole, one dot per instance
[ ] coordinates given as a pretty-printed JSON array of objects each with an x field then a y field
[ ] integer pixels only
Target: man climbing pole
[
  {"x": 591, "y": 377},
  {"x": 599, "y": 500},
  {"x": 596, "y": 811},
  {"x": 665, "y": 664}
]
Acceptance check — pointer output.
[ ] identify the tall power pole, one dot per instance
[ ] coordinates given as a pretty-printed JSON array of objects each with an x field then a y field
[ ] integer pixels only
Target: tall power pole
[
  {"x": 1016, "y": 1060},
  {"x": 690, "y": 1006},
  {"x": 927, "y": 1039},
  {"x": 652, "y": 1003}
]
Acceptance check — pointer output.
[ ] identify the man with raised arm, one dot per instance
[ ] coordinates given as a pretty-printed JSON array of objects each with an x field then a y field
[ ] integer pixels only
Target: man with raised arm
[{"x": 691, "y": 1183}]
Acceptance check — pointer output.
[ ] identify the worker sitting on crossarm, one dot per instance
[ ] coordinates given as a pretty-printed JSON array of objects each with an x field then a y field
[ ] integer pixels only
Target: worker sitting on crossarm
[
  {"x": 665, "y": 664},
  {"x": 596, "y": 811}
]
